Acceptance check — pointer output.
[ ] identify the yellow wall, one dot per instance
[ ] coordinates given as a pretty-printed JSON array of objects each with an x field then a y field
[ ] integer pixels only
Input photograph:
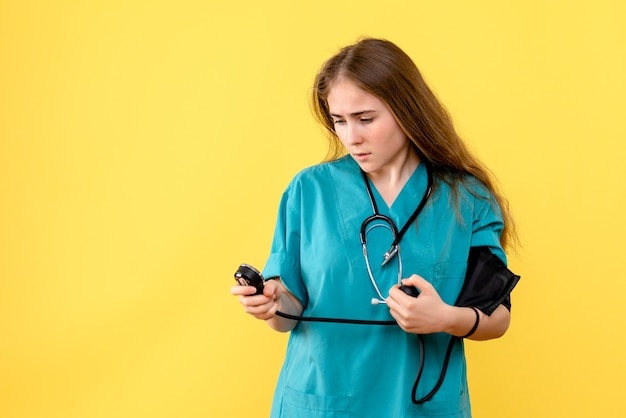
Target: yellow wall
[{"x": 144, "y": 146}]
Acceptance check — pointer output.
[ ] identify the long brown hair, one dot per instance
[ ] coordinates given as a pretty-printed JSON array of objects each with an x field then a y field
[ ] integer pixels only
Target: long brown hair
[{"x": 386, "y": 71}]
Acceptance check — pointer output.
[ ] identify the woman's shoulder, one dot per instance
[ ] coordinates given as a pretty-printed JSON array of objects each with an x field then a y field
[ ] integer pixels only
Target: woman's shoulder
[
  {"x": 465, "y": 185},
  {"x": 326, "y": 171},
  {"x": 466, "y": 193},
  {"x": 473, "y": 186}
]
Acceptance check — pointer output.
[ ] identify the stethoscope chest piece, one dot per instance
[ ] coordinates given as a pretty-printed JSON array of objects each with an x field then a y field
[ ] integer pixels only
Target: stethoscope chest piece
[{"x": 390, "y": 254}]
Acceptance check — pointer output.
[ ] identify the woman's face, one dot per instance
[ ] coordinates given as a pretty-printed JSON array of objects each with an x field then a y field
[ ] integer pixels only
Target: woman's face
[{"x": 367, "y": 129}]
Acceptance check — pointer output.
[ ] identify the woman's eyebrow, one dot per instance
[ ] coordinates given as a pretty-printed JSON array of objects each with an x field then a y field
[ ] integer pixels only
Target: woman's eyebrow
[{"x": 354, "y": 114}]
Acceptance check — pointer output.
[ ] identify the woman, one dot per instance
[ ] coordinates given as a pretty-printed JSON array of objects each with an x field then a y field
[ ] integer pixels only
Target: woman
[{"x": 406, "y": 164}]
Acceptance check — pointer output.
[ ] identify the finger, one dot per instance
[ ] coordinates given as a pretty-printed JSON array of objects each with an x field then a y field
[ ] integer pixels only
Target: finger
[
  {"x": 239, "y": 290},
  {"x": 392, "y": 302},
  {"x": 270, "y": 289},
  {"x": 396, "y": 296},
  {"x": 259, "y": 308},
  {"x": 417, "y": 281},
  {"x": 262, "y": 311},
  {"x": 257, "y": 300},
  {"x": 399, "y": 314}
]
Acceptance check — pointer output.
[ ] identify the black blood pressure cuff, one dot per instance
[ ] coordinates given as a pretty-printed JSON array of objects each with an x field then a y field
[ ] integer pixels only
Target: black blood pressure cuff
[{"x": 488, "y": 282}]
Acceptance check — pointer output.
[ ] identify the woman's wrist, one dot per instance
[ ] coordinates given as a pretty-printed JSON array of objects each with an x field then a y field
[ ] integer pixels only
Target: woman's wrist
[
  {"x": 464, "y": 321},
  {"x": 476, "y": 323}
]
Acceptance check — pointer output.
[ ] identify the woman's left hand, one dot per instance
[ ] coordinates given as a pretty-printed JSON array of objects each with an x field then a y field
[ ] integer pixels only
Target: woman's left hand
[{"x": 425, "y": 314}]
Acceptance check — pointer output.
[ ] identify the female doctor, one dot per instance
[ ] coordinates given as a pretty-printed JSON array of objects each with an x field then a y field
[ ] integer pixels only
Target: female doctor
[{"x": 397, "y": 173}]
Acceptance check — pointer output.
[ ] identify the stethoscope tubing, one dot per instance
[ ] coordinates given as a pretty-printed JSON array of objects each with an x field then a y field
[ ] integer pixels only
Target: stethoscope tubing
[{"x": 335, "y": 320}]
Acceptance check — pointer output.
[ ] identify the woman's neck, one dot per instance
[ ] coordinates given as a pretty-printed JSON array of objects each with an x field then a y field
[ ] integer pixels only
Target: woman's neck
[{"x": 390, "y": 180}]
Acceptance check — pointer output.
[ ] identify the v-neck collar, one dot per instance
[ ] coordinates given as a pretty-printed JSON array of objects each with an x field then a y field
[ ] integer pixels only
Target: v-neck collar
[{"x": 409, "y": 196}]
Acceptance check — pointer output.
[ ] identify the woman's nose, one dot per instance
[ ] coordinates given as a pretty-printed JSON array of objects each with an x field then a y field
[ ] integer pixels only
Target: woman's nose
[{"x": 353, "y": 136}]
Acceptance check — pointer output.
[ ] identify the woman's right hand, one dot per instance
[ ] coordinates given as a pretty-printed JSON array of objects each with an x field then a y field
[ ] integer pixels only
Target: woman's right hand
[
  {"x": 263, "y": 306},
  {"x": 275, "y": 297}
]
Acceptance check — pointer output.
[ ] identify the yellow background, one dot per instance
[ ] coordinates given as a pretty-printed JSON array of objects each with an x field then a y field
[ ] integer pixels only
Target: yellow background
[{"x": 144, "y": 146}]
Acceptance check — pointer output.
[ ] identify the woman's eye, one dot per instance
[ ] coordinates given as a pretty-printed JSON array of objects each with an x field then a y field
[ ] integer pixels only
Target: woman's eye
[
  {"x": 339, "y": 122},
  {"x": 366, "y": 120}
]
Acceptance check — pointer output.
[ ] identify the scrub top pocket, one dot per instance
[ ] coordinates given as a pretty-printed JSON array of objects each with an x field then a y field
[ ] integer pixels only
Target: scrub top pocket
[
  {"x": 445, "y": 408},
  {"x": 297, "y": 404}
]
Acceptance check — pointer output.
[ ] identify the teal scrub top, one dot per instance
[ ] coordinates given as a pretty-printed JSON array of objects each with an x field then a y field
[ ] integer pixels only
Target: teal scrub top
[{"x": 351, "y": 370}]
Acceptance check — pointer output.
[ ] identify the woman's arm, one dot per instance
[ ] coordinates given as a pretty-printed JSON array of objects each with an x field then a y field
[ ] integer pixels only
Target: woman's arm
[
  {"x": 428, "y": 314},
  {"x": 462, "y": 320}
]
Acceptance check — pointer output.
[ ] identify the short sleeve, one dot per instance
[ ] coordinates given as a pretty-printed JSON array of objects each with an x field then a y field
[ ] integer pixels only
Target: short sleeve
[
  {"x": 284, "y": 258},
  {"x": 487, "y": 227},
  {"x": 487, "y": 223}
]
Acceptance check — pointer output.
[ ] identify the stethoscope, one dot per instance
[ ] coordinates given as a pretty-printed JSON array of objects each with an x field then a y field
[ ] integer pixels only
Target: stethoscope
[
  {"x": 372, "y": 222},
  {"x": 394, "y": 250}
]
